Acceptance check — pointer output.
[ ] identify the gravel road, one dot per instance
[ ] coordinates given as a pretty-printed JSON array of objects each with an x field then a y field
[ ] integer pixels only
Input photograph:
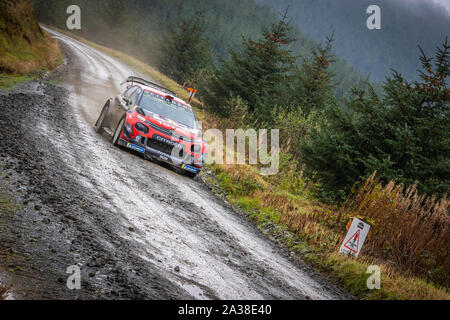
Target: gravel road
[{"x": 136, "y": 229}]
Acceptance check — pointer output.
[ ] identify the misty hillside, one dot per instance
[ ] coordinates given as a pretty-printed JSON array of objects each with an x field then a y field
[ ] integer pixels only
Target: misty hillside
[
  {"x": 141, "y": 24},
  {"x": 405, "y": 25},
  {"x": 138, "y": 27}
]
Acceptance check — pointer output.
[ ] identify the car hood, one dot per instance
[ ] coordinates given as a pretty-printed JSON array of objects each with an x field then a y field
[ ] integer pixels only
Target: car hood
[{"x": 170, "y": 124}]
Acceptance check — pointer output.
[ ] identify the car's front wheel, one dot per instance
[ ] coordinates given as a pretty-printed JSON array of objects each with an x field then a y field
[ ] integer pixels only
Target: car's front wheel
[
  {"x": 101, "y": 119},
  {"x": 189, "y": 174},
  {"x": 118, "y": 132}
]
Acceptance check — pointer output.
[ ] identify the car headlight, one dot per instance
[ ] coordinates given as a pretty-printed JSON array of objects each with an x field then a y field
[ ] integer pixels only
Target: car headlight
[{"x": 129, "y": 129}]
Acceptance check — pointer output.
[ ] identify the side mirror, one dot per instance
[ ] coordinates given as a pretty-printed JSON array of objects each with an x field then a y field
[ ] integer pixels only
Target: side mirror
[{"x": 127, "y": 101}]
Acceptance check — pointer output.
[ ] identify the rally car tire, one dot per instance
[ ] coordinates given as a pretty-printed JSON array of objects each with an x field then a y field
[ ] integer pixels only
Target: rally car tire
[
  {"x": 101, "y": 118},
  {"x": 118, "y": 132},
  {"x": 190, "y": 174}
]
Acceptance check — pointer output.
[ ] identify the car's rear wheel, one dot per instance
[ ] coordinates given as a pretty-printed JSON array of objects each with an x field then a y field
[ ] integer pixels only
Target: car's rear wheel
[
  {"x": 118, "y": 132},
  {"x": 101, "y": 119}
]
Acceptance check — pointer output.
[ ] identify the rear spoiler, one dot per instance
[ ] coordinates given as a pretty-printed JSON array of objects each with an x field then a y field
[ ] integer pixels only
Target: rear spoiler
[{"x": 147, "y": 83}]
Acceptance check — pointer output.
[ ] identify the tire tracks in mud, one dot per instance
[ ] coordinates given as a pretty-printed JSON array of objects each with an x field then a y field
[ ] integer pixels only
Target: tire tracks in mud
[{"x": 56, "y": 224}]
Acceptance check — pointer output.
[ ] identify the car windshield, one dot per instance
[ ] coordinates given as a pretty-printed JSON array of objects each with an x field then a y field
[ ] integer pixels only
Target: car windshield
[{"x": 167, "y": 108}]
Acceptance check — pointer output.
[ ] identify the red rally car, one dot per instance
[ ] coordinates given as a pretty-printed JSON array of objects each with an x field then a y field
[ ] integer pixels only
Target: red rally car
[{"x": 151, "y": 120}]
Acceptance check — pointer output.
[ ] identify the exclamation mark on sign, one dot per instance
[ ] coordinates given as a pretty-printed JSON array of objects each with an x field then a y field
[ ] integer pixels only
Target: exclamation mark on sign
[{"x": 353, "y": 243}]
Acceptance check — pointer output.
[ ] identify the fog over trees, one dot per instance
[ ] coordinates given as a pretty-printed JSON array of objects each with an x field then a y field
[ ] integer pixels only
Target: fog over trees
[
  {"x": 141, "y": 27},
  {"x": 405, "y": 25}
]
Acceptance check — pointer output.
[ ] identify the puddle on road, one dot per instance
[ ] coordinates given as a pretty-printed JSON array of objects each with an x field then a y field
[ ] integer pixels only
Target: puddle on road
[{"x": 194, "y": 291}]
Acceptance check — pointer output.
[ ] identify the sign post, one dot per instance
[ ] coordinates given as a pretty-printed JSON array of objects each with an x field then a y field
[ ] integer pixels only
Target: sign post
[
  {"x": 192, "y": 93},
  {"x": 357, "y": 234}
]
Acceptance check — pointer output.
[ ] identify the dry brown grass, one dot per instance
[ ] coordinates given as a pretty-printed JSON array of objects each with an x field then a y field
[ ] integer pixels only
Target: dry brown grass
[
  {"x": 394, "y": 285},
  {"x": 409, "y": 231},
  {"x": 24, "y": 60}
]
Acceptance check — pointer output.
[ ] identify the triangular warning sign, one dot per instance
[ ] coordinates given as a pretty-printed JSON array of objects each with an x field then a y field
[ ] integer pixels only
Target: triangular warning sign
[{"x": 353, "y": 243}]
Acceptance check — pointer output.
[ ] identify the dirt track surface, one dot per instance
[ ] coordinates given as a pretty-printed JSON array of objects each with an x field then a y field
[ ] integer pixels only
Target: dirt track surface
[{"x": 137, "y": 230}]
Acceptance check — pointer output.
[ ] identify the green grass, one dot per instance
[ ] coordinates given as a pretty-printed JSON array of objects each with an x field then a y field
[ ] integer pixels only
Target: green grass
[
  {"x": 17, "y": 56},
  {"x": 8, "y": 81},
  {"x": 24, "y": 48}
]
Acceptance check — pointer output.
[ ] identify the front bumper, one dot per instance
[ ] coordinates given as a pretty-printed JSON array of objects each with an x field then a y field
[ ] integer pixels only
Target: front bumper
[{"x": 140, "y": 145}]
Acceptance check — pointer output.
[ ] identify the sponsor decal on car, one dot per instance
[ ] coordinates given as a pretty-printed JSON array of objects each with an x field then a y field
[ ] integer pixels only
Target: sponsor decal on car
[
  {"x": 164, "y": 157},
  {"x": 189, "y": 168},
  {"x": 161, "y": 154},
  {"x": 168, "y": 142},
  {"x": 135, "y": 148}
]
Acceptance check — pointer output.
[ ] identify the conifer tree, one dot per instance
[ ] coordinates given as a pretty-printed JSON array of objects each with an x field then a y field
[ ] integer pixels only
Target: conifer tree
[
  {"x": 185, "y": 51},
  {"x": 402, "y": 134},
  {"x": 257, "y": 75},
  {"x": 315, "y": 87}
]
